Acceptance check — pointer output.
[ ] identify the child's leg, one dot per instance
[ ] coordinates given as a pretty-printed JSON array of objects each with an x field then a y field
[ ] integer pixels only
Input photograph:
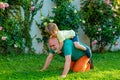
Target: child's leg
[
  {"x": 81, "y": 47},
  {"x": 88, "y": 52},
  {"x": 78, "y": 46}
]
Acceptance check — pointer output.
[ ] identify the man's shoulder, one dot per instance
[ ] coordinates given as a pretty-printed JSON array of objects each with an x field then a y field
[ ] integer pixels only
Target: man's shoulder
[
  {"x": 67, "y": 47},
  {"x": 68, "y": 41}
]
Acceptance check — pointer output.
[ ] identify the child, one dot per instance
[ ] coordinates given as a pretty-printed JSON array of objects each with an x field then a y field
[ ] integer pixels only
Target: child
[{"x": 53, "y": 31}]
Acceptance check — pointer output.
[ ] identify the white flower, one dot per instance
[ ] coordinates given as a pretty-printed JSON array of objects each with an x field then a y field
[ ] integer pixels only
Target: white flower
[
  {"x": 55, "y": 7},
  {"x": 45, "y": 23},
  {"x": 51, "y": 20},
  {"x": 110, "y": 26},
  {"x": 31, "y": 3},
  {"x": 6, "y": 5},
  {"x": 116, "y": 7},
  {"x": 4, "y": 37},
  {"x": 42, "y": 18},
  {"x": 97, "y": 32},
  {"x": 75, "y": 11},
  {"x": 83, "y": 21},
  {"x": 15, "y": 46},
  {"x": 113, "y": 32},
  {"x": 99, "y": 29},
  {"x": 70, "y": 0}
]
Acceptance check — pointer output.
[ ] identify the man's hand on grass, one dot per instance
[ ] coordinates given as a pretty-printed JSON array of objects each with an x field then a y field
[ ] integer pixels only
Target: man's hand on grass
[
  {"x": 41, "y": 70},
  {"x": 62, "y": 76}
]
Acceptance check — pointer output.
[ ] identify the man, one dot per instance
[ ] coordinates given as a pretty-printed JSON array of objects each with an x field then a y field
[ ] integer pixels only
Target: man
[{"x": 75, "y": 59}]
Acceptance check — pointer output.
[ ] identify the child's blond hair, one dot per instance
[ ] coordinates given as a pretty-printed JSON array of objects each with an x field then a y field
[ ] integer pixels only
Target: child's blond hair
[{"x": 51, "y": 27}]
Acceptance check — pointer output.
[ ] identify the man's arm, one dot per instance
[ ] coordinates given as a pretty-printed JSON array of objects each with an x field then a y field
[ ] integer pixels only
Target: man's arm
[
  {"x": 48, "y": 61},
  {"x": 66, "y": 65}
]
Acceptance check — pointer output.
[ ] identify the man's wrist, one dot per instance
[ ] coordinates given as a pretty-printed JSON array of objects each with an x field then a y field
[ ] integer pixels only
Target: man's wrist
[
  {"x": 43, "y": 69},
  {"x": 63, "y": 76}
]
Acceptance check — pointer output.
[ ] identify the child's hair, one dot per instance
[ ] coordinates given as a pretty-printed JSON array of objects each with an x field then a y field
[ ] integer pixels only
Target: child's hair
[{"x": 51, "y": 27}]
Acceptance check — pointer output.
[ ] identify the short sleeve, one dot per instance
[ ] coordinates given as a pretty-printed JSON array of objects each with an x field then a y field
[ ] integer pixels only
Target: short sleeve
[
  {"x": 60, "y": 36},
  {"x": 67, "y": 47},
  {"x": 51, "y": 51}
]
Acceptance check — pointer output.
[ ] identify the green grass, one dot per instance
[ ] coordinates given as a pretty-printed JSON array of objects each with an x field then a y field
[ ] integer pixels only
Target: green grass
[{"x": 27, "y": 66}]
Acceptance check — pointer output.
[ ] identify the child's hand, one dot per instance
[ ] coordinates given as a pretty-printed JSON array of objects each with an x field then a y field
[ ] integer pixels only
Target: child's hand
[
  {"x": 59, "y": 51},
  {"x": 52, "y": 36}
]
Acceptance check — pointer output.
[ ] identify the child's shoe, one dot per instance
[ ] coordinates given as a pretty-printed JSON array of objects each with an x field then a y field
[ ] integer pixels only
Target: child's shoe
[{"x": 88, "y": 52}]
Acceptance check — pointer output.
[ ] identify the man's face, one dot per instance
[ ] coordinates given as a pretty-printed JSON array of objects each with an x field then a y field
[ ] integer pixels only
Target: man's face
[{"x": 54, "y": 44}]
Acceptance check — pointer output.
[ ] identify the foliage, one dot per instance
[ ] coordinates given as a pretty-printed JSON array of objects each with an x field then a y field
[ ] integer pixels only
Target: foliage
[
  {"x": 102, "y": 23},
  {"x": 27, "y": 66},
  {"x": 15, "y": 22},
  {"x": 65, "y": 16}
]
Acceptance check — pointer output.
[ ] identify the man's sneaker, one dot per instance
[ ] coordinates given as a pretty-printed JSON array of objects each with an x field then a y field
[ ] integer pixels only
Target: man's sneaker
[
  {"x": 88, "y": 52},
  {"x": 91, "y": 64}
]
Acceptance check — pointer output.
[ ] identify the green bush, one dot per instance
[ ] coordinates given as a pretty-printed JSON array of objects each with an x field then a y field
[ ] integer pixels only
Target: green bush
[
  {"x": 102, "y": 23},
  {"x": 98, "y": 18},
  {"x": 15, "y": 22},
  {"x": 65, "y": 16}
]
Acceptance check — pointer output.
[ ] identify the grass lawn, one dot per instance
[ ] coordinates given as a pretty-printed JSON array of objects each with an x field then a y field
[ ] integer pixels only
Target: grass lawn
[{"x": 27, "y": 66}]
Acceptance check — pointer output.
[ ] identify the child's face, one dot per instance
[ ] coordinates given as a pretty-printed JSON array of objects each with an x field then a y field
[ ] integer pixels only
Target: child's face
[{"x": 54, "y": 33}]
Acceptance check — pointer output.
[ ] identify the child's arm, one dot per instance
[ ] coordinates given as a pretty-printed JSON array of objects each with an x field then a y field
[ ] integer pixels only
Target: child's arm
[{"x": 61, "y": 44}]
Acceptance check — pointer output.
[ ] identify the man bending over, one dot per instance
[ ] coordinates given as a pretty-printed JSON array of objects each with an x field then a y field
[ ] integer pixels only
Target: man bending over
[{"x": 75, "y": 59}]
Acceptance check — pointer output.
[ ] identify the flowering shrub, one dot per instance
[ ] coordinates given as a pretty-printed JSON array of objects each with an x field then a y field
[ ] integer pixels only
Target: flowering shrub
[
  {"x": 98, "y": 18},
  {"x": 102, "y": 21},
  {"x": 11, "y": 38},
  {"x": 3, "y": 5},
  {"x": 14, "y": 27},
  {"x": 66, "y": 17}
]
